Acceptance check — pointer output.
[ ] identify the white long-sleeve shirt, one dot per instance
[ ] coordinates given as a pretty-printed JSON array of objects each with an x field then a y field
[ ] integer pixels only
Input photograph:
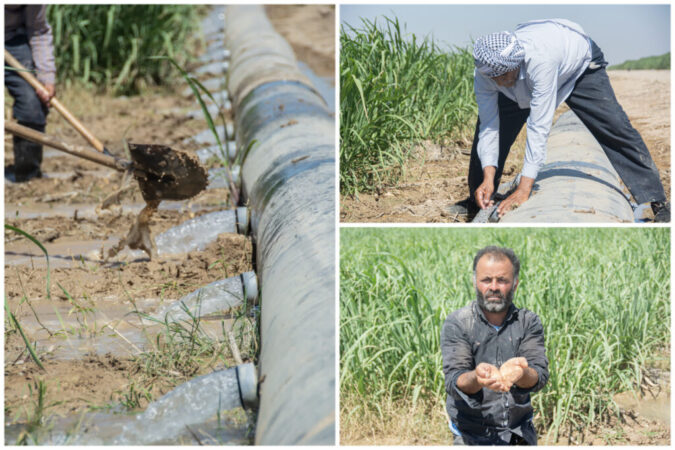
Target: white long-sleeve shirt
[{"x": 557, "y": 52}]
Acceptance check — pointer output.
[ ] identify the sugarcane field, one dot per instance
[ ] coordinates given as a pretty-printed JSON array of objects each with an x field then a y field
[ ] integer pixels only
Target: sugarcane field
[{"x": 132, "y": 285}]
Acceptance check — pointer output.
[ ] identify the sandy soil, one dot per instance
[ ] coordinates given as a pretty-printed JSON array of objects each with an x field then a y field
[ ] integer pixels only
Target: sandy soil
[
  {"x": 99, "y": 380},
  {"x": 437, "y": 177},
  {"x": 57, "y": 210}
]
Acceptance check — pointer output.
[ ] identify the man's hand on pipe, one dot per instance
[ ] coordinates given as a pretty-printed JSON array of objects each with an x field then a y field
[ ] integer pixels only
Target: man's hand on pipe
[
  {"x": 483, "y": 194},
  {"x": 518, "y": 197}
]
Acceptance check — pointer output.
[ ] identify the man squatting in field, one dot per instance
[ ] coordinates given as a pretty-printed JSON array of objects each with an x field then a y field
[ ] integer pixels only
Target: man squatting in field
[
  {"x": 524, "y": 76},
  {"x": 493, "y": 357},
  {"x": 28, "y": 37}
]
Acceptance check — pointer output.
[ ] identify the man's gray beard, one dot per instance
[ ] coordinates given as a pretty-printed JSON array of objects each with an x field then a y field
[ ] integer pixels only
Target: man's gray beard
[{"x": 492, "y": 306}]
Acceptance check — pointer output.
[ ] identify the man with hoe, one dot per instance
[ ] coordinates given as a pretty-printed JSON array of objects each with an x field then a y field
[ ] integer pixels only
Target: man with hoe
[
  {"x": 28, "y": 37},
  {"x": 493, "y": 358},
  {"x": 523, "y": 77}
]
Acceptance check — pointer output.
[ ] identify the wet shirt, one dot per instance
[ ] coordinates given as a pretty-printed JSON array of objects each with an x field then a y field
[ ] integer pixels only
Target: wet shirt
[
  {"x": 468, "y": 339},
  {"x": 31, "y": 21},
  {"x": 557, "y": 52}
]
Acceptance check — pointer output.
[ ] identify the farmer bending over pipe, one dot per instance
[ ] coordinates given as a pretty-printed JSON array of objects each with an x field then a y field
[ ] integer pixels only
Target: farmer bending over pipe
[
  {"x": 28, "y": 37},
  {"x": 524, "y": 76},
  {"x": 493, "y": 357}
]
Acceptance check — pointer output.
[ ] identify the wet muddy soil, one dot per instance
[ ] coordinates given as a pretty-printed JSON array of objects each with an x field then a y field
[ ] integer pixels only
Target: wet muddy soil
[
  {"x": 84, "y": 322},
  {"x": 89, "y": 322},
  {"x": 436, "y": 177}
]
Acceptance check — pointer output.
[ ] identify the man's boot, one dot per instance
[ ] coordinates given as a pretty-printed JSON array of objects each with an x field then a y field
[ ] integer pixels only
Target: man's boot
[
  {"x": 661, "y": 211},
  {"x": 27, "y": 156}
]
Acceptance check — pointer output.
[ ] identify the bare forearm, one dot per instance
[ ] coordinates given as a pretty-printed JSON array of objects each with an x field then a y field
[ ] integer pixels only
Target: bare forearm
[
  {"x": 468, "y": 383},
  {"x": 489, "y": 173},
  {"x": 530, "y": 378}
]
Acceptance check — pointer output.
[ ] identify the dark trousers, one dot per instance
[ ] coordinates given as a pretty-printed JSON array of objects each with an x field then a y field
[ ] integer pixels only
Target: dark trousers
[
  {"x": 28, "y": 110},
  {"x": 594, "y": 102},
  {"x": 27, "y": 106}
]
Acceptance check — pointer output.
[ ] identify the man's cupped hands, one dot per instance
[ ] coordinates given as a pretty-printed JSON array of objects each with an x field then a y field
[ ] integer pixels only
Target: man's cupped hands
[{"x": 502, "y": 379}]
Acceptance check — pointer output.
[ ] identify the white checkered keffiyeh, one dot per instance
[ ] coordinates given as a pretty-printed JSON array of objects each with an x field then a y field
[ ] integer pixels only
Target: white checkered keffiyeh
[{"x": 497, "y": 53}]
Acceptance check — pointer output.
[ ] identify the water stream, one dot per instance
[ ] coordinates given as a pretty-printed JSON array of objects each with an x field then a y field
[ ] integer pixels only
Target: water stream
[
  {"x": 221, "y": 295},
  {"x": 197, "y": 233},
  {"x": 184, "y": 413}
]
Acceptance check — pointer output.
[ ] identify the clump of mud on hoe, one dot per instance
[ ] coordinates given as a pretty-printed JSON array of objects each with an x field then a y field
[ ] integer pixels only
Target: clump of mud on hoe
[{"x": 162, "y": 174}]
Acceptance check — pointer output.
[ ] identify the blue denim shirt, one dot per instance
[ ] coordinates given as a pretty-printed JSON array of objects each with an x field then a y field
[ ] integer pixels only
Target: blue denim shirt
[{"x": 467, "y": 339}]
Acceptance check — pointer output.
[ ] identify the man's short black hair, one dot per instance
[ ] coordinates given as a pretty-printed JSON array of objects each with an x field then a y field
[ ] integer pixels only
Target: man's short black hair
[{"x": 499, "y": 252}]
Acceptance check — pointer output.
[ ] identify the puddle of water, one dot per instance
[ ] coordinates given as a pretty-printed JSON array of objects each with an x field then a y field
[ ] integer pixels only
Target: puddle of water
[
  {"x": 106, "y": 326},
  {"x": 66, "y": 253},
  {"x": 184, "y": 415},
  {"x": 194, "y": 234},
  {"x": 651, "y": 407},
  {"x": 88, "y": 211}
]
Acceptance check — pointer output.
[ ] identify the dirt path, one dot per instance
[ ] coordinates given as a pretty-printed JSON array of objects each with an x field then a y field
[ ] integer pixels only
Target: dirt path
[
  {"x": 437, "y": 178},
  {"x": 76, "y": 320}
]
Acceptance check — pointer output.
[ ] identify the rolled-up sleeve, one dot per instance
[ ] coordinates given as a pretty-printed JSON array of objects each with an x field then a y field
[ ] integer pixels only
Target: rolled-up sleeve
[
  {"x": 457, "y": 359},
  {"x": 488, "y": 113},
  {"x": 533, "y": 350}
]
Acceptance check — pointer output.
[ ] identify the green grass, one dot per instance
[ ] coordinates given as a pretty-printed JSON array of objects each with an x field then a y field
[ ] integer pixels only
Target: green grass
[
  {"x": 109, "y": 45},
  {"x": 602, "y": 295},
  {"x": 14, "y": 323},
  {"x": 661, "y": 62},
  {"x": 395, "y": 91},
  {"x": 184, "y": 349}
]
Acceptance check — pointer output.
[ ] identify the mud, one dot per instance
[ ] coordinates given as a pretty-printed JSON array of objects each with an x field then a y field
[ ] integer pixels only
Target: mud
[
  {"x": 436, "y": 177},
  {"x": 166, "y": 174},
  {"x": 77, "y": 209},
  {"x": 139, "y": 234}
]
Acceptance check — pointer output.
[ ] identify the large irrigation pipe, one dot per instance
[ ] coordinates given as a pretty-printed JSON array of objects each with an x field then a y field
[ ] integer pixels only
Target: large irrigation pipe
[
  {"x": 288, "y": 178},
  {"x": 577, "y": 183}
]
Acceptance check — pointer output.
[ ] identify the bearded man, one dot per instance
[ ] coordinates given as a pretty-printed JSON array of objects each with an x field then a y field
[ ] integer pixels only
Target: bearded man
[
  {"x": 493, "y": 358},
  {"x": 523, "y": 77}
]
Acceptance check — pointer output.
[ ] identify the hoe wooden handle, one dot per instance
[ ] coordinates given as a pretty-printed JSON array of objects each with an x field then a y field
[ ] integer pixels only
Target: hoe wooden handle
[
  {"x": 75, "y": 150},
  {"x": 26, "y": 75}
]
